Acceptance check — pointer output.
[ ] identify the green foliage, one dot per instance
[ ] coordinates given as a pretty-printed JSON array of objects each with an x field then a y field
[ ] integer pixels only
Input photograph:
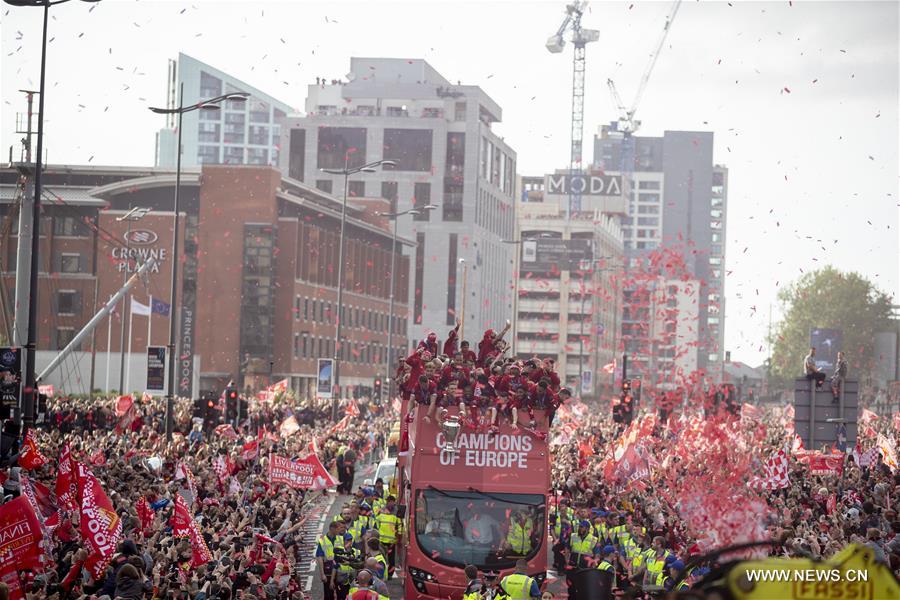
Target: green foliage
[{"x": 828, "y": 299}]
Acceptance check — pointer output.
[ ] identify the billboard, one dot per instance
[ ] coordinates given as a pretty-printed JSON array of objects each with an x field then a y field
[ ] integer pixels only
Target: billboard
[
  {"x": 552, "y": 255},
  {"x": 586, "y": 185},
  {"x": 325, "y": 378},
  {"x": 827, "y": 343},
  {"x": 10, "y": 378},
  {"x": 156, "y": 369}
]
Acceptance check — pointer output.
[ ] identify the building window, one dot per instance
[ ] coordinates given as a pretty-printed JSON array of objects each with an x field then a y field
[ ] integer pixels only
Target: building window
[
  {"x": 64, "y": 336},
  {"x": 68, "y": 302},
  {"x": 208, "y": 155},
  {"x": 209, "y": 132},
  {"x": 297, "y": 154},
  {"x": 336, "y": 142},
  {"x": 234, "y": 128},
  {"x": 324, "y": 185},
  {"x": 397, "y": 111},
  {"x": 233, "y": 156},
  {"x": 460, "y": 112},
  {"x": 409, "y": 148},
  {"x": 422, "y": 197},
  {"x": 70, "y": 227},
  {"x": 389, "y": 192},
  {"x": 258, "y": 135},
  {"x": 210, "y": 86},
  {"x": 356, "y": 189},
  {"x": 452, "y": 268},
  {"x": 259, "y": 111},
  {"x": 420, "y": 277},
  {"x": 70, "y": 263}
]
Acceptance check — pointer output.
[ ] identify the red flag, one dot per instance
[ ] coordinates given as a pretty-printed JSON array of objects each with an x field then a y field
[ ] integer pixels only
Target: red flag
[
  {"x": 20, "y": 533},
  {"x": 65, "y": 482},
  {"x": 123, "y": 405},
  {"x": 181, "y": 519},
  {"x": 307, "y": 473},
  {"x": 38, "y": 496},
  {"x": 352, "y": 409},
  {"x": 184, "y": 526},
  {"x": 101, "y": 527},
  {"x": 10, "y": 577},
  {"x": 98, "y": 458},
  {"x": 146, "y": 515},
  {"x": 831, "y": 504},
  {"x": 227, "y": 432},
  {"x": 30, "y": 457},
  {"x": 250, "y": 450}
]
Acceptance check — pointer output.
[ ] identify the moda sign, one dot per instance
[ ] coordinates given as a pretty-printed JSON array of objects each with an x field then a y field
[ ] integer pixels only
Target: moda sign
[{"x": 585, "y": 185}]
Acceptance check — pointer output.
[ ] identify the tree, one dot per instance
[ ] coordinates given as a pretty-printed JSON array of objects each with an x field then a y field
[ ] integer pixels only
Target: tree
[{"x": 829, "y": 299}]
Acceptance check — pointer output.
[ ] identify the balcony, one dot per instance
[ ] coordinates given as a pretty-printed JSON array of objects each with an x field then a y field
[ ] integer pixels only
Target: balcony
[
  {"x": 549, "y": 327},
  {"x": 549, "y": 307},
  {"x": 537, "y": 347}
]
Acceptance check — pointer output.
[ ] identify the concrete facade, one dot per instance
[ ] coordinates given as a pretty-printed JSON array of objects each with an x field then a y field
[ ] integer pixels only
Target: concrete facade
[{"x": 441, "y": 135}]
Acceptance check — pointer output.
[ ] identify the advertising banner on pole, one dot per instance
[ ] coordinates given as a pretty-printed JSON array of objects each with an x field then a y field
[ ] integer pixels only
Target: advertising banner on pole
[
  {"x": 156, "y": 369},
  {"x": 325, "y": 378}
]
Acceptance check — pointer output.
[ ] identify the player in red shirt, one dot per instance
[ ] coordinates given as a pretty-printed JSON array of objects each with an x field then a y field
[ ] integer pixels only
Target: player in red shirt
[{"x": 488, "y": 347}]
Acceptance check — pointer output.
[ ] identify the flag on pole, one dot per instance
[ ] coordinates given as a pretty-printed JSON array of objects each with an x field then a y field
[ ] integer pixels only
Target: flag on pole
[
  {"x": 160, "y": 307},
  {"x": 775, "y": 473},
  {"x": 139, "y": 309}
]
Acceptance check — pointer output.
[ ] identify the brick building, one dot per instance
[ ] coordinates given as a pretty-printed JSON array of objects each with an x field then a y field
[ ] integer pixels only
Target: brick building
[{"x": 257, "y": 275}]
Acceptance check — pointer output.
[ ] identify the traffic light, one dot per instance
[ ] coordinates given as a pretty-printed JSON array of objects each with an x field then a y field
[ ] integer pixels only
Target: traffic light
[
  {"x": 232, "y": 402},
  {"x": 627, "y": 403},
  {"x": 376, "y": 389}
]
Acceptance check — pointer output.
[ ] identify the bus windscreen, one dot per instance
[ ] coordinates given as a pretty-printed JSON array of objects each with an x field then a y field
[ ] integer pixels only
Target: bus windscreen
[{"x": 488, "y": 530}]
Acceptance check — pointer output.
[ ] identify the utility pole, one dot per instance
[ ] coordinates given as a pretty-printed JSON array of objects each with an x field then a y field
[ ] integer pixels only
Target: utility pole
[{"x": 23, "y": 250}]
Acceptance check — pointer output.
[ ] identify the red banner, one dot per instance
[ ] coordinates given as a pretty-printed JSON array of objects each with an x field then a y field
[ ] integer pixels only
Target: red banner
[
  {"x": 20, "y": 533},
  {"x": 145, "y": 514},
  {"x": 65, "y": 483},
  {"x": 10, "y": 577},
  {"x": 306, "y": 474},
  {"x": 101, "y": 527},
  {"x": 250, "y": 450},
  {"x": 123, "y": 405},
  {"x": 30, "y": 457},
  {"x": 181, "y": 519},
  {"x": 825, "y": 464}
]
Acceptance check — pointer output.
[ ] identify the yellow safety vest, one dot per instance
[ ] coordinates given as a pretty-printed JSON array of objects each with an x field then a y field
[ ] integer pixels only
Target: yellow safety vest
[
  {"x": 387, "y": 527},
  {"x": 384, "y": 565},
  {"x": 327, "y": 547},
  {"x": 601, "y": 531},
  {"x": 519, "y": 537},
  {"x": 378, "y": 506},
  {"x": 661, "y": 580},
  {"x": 517, "y": 586},
  {"x": 356, "y": 530},
  {"x": 605, "y": 566},
  {"x": 584, "y": 545}
]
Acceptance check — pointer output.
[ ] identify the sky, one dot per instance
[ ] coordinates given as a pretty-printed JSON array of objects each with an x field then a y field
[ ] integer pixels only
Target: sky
[{"x": 802, "y": 98}]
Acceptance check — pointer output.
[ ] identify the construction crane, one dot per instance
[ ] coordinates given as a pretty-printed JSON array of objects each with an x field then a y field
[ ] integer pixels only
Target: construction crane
[
  {"x": 627, "y": 124},
  {"x": 580, "y": 38}
]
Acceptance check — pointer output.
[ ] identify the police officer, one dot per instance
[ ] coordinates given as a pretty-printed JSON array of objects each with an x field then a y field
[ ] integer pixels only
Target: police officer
[
  {"x": 389, "y": 526},
  {"x": 374, "y": 552},
  {"x": 518, "y": 585},
  {"x": 562, "y": 532},
  {"x": 474, "y": 585},
  {"x": 326, "y": 561},
  {"x": 582, "y": 547},
  {"x": 676, "y": 567},
  {"x": 493, "y": 591},
  {"x": 347, "y": 559},
  {"x": 518, "y": 538}
]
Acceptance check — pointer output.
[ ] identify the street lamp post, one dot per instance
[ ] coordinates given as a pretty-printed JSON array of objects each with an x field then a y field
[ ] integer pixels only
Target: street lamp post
[
  {"x": 390, "y": 341},
  {"x": 212, "y": 103},
  {"x": 133, "y": 214},
  {"x": 29, "y": 392},
  {"x": 346, "y": 172}
]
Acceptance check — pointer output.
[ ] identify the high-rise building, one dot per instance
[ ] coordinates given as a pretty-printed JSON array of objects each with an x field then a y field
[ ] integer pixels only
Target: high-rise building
[
  {"x": 440, "y": 137},
  {"x": 569, "y": 292},
  {"x": 239, "y": 133},
  {"x": 677, "y": 199}
]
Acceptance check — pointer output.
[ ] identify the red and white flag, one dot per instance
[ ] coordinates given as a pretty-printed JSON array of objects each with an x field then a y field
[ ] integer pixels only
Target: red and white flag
[
  {"x": 289, "y": 427},
  {"x": 352, "y": 409},
  {"x": 222, "y": 468},
  {"x": 101, "y": 527},
  {"x": 181, "y": 518},
  {"x": 30, "y": 456},
  {"x": 775, "y": 473},
  {"x": 867, "y": 458},
  {"x": 145, "y": 515},
  {"x": 250, "y": 450},
  {"x": 65, "y": 480},
  {"x": 888, "y": 454},
  {"x": 20, "y": 534},
  {"x": 610, "y": 367},
  {"x": 10, "y": 576},
  {"x": 227, "y": 432},
  {"x": 867, "y": 417},
  {"x": 123, "y": 405},
  {"x": 308, "y": 473}
]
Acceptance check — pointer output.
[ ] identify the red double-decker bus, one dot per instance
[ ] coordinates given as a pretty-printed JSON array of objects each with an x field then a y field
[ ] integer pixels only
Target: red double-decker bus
[{"x": 484, "y": 504}]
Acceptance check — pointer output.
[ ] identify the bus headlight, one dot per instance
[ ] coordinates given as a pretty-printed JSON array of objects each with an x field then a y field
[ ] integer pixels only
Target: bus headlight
[{"x": 420, "y": 574}]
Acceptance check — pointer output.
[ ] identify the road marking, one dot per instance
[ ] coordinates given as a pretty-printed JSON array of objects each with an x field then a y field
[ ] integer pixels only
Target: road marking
[{"x": 308, "y": 585}]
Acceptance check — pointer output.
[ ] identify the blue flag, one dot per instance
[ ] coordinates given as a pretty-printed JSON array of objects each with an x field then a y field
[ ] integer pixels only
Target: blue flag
[{"x": 160, "y": 307}]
